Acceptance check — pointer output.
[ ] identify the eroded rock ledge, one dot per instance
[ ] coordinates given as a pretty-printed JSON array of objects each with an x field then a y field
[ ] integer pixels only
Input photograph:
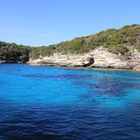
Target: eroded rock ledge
[{"x": 98, "y": 58}]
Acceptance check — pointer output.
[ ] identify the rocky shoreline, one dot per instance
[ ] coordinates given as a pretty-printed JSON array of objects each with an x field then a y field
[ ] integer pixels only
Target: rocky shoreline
[{"x": 97, "y": 58}]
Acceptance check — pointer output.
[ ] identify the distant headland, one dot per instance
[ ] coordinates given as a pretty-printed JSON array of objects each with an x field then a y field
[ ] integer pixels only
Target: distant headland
[{"x": 112, "y": 48}]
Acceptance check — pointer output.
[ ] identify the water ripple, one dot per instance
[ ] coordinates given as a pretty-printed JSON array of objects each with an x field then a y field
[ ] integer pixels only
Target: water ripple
[{"x": 41, "y": 103}]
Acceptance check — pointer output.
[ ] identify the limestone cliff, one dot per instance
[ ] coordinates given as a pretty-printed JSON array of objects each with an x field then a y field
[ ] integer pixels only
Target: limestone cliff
[
  {"x": 112, "y": 48},
  {"x": 97, "y": 58}
]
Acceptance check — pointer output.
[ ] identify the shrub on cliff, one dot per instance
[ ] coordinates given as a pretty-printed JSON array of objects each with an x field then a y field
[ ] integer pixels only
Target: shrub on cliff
[{"x": 115, "y": 40}]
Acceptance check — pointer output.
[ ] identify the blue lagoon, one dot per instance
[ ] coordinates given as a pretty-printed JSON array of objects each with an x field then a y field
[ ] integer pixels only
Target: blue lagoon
[{"x": 71, "y": 104}]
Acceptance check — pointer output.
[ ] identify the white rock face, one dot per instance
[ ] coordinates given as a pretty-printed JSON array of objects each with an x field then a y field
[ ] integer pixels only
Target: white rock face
[
  {"x": 98, "y": 58},
  {"x": 137, "y": 68},
  {"x": 2, "y": 61},
  {"x": 135, "y": 58}
]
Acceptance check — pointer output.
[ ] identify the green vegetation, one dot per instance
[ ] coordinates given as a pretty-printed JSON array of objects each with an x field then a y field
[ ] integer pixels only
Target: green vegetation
[
  {"x": 116, "y": 41},
  {"x": 13, "y": 53},
  {"x": 43, "y": 51},
  {"x": 118, "y": 49}
]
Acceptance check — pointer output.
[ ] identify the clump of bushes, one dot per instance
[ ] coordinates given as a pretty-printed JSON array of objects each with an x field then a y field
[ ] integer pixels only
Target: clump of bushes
[
  {"x": 13, "y": 53},
  {"x": 118, "y": 49}
]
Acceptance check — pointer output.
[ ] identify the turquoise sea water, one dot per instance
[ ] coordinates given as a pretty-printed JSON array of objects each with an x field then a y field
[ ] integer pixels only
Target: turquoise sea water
[{"x": 60, "y": 103}]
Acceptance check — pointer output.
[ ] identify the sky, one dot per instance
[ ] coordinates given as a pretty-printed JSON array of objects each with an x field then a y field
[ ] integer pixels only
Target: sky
[{"x": 45, "y": 22}]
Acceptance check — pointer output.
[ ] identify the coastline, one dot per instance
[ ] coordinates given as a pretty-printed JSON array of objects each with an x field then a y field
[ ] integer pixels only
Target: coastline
[
  {"x": 78, "y": 68},
  {"x": 97, "y": 58}
]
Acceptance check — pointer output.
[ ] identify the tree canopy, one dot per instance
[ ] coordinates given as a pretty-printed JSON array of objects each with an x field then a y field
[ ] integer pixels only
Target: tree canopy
[{"x": 13, "y": 53}]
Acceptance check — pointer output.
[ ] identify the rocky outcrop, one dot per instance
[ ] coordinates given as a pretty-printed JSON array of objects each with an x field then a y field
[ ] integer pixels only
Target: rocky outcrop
[
  {"x": 97, "y": 58},
  {"x": 2, "y": 62},
  {"x": 134, "y": 59},
  {"x": 137, "y": 68}
]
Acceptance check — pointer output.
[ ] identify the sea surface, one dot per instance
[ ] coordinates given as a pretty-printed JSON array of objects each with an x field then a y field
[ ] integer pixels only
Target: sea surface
[{"x": 51, "y": 103}]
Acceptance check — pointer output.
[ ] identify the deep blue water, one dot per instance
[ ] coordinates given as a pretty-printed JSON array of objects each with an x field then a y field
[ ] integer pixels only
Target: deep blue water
[{"x": 48, "y": 103}]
